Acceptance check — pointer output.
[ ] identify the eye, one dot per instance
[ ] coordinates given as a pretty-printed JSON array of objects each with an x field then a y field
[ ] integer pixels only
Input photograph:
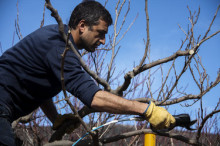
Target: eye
[{"x": 101, "y": 34}]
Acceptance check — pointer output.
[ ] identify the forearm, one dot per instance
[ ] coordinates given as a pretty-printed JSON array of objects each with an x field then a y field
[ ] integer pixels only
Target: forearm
[
  {"x": 49, "y": 110},
  {"x": 107, "y": 102}
]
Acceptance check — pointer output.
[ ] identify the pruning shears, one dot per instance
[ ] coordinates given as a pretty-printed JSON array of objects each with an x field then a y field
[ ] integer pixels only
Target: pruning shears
[{"x": 182, "y": 120}]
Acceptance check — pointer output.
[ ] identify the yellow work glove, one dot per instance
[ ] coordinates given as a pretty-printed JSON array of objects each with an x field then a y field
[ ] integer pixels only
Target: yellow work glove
[
  {"x": 60, "y": 119},
  {"x": 159, "y": 117}
]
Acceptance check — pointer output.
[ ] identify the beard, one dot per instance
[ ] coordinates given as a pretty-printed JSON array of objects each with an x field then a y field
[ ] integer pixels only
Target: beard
[{"x": 90, "y": 47}]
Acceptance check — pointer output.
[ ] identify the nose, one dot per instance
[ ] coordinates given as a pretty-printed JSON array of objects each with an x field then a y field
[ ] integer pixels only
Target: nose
[{"x": 102, "y": 41}]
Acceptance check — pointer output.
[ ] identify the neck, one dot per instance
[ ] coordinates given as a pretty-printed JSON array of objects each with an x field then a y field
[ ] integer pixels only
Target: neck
[{"x": 76, "y": 38}]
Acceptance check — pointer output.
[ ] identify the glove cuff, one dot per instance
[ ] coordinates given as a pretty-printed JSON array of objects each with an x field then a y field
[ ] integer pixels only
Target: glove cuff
[
  {"x": 149, "y": 110},
  {"x": 144, "y": 113}
]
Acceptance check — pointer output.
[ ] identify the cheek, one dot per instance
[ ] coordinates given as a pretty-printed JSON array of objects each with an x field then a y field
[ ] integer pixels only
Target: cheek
[
  {"x": 89, "y": 38},
  {"x": 92, "y": 39}
]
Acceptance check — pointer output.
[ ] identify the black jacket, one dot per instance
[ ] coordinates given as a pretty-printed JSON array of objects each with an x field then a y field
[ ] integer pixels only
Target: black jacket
[{"x": 30, "y": 72}]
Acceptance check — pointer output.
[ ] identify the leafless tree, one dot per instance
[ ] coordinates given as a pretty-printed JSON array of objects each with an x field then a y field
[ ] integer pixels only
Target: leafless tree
[{"x": 137, "y": 82}]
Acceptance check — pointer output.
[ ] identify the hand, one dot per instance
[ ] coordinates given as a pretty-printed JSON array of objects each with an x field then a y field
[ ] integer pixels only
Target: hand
[
  {"x": 159, "y": 117},
  {"x": 61, "y": 119}
]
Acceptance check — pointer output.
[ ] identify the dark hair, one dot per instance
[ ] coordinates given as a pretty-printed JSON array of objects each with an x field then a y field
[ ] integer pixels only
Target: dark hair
[{"x": 91, "y": 12}]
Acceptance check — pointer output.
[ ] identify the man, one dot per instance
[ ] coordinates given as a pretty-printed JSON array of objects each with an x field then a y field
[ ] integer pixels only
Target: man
[{"x": 30, "y": 74}]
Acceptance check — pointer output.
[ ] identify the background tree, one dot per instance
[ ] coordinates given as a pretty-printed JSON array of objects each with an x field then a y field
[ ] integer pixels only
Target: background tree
[{"x": 179, "y": 79}]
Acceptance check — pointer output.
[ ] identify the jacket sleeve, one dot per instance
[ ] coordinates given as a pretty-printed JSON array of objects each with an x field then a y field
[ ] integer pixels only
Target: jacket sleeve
[{"x": 77, "y": 81}]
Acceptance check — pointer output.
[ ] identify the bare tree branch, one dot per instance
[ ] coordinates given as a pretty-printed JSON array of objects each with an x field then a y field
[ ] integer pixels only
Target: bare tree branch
[
  {"x": 148, "y": 34},
  {"x": 204, "y": 121}
]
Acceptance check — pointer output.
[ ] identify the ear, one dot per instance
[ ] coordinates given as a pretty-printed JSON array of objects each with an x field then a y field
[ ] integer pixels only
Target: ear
[{"x": 82, "y": 26}]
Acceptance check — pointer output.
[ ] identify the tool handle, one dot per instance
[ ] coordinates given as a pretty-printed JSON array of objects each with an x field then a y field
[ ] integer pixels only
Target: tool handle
[{"x": 182, "y": 120}]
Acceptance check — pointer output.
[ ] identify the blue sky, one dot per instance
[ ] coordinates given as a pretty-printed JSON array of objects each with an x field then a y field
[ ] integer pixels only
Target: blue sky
[{"x": 164, "y": 31}]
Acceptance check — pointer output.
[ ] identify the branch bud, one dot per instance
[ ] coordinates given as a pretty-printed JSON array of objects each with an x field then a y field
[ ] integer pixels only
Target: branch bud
[{"x": 191, "y": 52}]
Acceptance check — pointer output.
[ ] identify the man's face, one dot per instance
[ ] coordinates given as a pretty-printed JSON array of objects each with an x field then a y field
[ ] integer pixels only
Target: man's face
[{"x": 92, "y": 37}]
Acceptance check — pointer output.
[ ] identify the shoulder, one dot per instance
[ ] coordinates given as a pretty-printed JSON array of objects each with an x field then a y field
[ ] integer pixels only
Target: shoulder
[
  {"x": 53, "y": 28},
  {"x": 47, "y": 35},
  {"x": 46, "y": 30},
  {"x": 50, "y": 30}
]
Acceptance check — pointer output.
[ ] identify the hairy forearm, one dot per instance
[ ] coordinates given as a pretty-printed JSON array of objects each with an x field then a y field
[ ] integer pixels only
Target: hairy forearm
[
  {"x": 50, "y": 110},
  {"x": 107, "y": 102}
]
